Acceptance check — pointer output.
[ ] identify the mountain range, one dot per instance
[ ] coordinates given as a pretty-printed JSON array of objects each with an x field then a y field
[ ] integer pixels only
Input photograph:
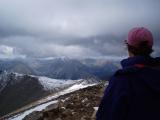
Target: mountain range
[
  {"x": 62, "y": 68},
  {"x": 25, "y": 81}
]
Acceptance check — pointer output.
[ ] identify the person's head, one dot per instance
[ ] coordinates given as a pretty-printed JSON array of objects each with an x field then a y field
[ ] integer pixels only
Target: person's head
[{"x": 139, "y": 42}]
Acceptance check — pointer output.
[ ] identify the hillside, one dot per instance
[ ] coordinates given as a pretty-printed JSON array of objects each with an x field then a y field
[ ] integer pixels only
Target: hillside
[
  {"x": 79, "y": 105},
  {"x": 29, "y": 88}
]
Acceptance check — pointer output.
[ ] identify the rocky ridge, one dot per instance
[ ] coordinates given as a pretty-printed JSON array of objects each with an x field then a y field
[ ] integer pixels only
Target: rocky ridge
[{"x": 79, "y": 105}]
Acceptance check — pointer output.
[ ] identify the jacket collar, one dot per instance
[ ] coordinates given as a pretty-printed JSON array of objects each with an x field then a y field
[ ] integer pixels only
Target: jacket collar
[{"x": 144, "y": 60}]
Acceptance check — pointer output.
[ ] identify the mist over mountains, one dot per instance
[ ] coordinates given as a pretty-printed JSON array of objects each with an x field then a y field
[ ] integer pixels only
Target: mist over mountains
[{"x": 62, "y": 68}]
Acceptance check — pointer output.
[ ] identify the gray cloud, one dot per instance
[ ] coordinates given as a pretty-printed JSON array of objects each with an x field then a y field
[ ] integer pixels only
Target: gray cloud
[
  {"x": 74, "y": 28},
  {"x": 9, "y": 52}
]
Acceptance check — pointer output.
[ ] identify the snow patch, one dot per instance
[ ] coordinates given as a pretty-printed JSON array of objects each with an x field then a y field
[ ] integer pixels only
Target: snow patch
[
  {"x": 50, "y": 84},
  {"x": 38, "y": 108},
  {"x": 95, "y": 108}
]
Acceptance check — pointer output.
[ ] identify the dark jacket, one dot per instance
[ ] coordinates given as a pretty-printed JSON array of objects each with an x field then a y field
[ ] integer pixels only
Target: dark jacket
[{"x": 133, "y": 92}]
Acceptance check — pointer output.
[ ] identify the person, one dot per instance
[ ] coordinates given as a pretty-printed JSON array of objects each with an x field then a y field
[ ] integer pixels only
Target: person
[{"x": 133, "y": 92}]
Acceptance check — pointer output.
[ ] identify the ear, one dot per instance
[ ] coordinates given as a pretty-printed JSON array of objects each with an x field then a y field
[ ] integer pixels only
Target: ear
[{"x": 130, "y": 54}]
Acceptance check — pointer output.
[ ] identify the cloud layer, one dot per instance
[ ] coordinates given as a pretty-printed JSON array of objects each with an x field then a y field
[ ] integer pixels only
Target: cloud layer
[{"x": 74, "y": 28}]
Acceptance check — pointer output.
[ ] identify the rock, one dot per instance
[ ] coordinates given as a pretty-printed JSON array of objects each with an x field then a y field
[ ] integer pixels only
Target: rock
[
  {"x": 84, "y": 100},
  {"x": 58, "y": 119},
  {"x": 66, "y": 113}
]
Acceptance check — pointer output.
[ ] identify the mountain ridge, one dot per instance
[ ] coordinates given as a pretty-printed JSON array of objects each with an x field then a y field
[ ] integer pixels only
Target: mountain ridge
[
  {"x": 29, "y": 88},
  {"x": 62, "y": 68}
]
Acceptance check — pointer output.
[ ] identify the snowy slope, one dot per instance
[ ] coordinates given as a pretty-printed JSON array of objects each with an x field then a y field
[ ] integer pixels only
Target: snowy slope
[
  {"x": 3, "y": 80},
  {"x": 6, "y": 78},
  {"x": 38, "y": 108},
  {"x": 50, "y": 84},
  {"x": 47, "y": 83}
]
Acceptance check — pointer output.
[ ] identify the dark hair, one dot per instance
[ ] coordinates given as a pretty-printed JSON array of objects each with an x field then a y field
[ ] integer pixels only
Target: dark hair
[{"x": 142, "y": 49}]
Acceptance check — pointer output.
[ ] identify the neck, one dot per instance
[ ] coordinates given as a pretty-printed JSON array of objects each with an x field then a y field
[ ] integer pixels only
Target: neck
[{"x": 130, "y": 54}]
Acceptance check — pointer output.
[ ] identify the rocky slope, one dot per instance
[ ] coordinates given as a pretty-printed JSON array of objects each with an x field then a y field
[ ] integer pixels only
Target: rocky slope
[
  {"x": 29, "y": 88},
  {"x": 17, "y": 91},
  {"x": 79, "y": 105}
]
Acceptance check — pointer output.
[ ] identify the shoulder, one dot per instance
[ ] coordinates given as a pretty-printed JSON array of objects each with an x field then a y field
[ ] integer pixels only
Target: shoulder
[
  {"x": 157, "y": 61},
  {"x": 122, "y": 76},
  {"x": 126, "y": 71}
]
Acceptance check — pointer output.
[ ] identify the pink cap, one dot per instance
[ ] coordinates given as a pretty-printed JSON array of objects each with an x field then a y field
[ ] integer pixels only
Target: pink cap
[{"x": 138, "y": 35}]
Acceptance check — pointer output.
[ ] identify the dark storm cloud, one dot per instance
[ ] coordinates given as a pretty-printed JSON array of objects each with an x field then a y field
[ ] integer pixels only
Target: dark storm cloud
[{"x": 74, "y": 28}]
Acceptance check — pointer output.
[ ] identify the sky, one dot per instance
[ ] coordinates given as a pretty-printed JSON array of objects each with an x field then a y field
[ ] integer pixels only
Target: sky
[{"x": 73, "y": 28}]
